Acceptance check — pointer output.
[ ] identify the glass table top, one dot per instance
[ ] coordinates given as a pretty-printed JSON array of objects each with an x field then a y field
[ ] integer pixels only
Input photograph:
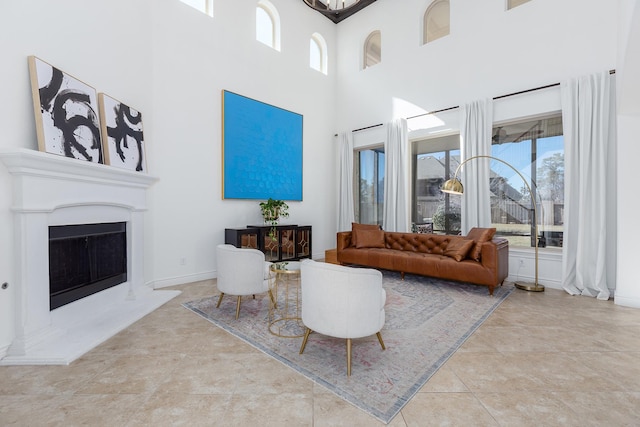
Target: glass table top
[{"x": 286, "y": 267}]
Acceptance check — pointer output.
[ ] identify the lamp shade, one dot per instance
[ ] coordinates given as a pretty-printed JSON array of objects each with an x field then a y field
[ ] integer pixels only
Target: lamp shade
[{"x": 452, "y": 186}]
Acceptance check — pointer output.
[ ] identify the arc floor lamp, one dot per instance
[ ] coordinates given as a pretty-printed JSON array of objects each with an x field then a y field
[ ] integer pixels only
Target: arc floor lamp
[{"x": 454, "y": 186}]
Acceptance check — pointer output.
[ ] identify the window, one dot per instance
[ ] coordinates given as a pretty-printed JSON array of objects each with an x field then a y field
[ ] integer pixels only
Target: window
[
  {"x": 318, "y": 53},
  {"x": 372, "y": 49},
  {"x": 515, "y": 3},
  {"x": 204, "y": 6},
  {"x": 436, "y": 21},
  {"x": 268, "y": 24},
  {"x": 536, "y": 149},
  {"x": 434, "y": 161},
  {"x": 370, "y": 178}
]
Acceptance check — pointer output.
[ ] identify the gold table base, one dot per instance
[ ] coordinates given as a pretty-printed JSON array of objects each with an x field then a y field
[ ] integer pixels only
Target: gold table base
[{"x": 284, "y": 315}]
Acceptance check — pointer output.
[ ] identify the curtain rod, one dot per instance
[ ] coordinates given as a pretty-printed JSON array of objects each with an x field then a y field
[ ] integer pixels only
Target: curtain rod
[
  {"x": 457, "y": 106},
  {"x": 365, "y": 128},
  {"x": 368, "y": 127},
  {"x": 496, "y": 97}
]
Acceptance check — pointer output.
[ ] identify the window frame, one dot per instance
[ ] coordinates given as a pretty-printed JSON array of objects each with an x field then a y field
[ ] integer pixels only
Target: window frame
[
  {"x": 449, "y": 145},
  {"x": 272, "y": 13},
  {"x": 551, "y": 233},
  {"x": 433, "y": 7},
  {"x": 322, "y": 53},
  {"x": 377, "y": 187},
  {"x": 369, "y": 53},
  {"x": 544, "y": 154}
]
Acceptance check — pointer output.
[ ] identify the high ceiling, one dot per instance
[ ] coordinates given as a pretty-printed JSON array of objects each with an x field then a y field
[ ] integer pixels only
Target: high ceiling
[{"x": 337, "y": 10}]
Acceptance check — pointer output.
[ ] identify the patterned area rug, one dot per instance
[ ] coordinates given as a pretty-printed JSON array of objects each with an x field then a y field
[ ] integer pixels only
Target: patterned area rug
[{"x": 426, "y": 321}]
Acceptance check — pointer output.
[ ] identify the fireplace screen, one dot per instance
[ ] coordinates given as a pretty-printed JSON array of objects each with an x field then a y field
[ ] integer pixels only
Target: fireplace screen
[{"x": 85, "y": 259}]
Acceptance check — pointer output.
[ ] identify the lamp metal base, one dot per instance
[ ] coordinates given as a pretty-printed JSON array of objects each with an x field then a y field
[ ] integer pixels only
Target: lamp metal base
[{"x": 529, "y": 286}]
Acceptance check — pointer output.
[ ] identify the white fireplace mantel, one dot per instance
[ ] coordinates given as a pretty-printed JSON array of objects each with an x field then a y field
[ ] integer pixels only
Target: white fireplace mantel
[{"x": 52, "y": 190}]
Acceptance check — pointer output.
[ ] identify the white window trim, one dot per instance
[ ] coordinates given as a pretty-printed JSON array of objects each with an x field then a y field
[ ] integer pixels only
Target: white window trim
[
  {"x": 272, "y": 12},
  {"x": 425, "y": 18},
  {"x": 366, "y": 45},
  {"x": 322, "y": 45}
]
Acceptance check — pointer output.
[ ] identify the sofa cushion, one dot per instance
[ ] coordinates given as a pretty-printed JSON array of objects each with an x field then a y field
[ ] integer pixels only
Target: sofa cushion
[
  {"x": 458, "y": 248},
  {"x": 479, "y": 236},
  {"x": 369, "y": 239},
  {"x": 356, "y": 227}
]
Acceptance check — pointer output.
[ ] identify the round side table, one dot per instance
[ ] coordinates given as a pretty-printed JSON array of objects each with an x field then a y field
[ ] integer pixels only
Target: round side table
[{"x": 284, "y": 315}]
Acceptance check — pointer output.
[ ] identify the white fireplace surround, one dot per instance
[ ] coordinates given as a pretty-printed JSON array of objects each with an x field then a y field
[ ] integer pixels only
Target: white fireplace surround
[{"x": 53, "y": 190}]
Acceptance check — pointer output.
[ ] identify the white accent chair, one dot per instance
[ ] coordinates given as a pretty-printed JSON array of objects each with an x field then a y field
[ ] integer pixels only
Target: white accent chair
[
  {"x": 241, "y": 272},
  {"x": 341, "y": 302}
]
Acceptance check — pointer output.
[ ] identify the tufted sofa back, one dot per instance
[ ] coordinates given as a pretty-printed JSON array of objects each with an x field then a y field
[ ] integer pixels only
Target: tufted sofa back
[{"x": 414, "y": 242}]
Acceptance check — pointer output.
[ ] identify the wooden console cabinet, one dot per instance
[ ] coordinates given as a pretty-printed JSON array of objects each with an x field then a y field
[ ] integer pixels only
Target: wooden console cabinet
[{"x": 290, "y": 243}]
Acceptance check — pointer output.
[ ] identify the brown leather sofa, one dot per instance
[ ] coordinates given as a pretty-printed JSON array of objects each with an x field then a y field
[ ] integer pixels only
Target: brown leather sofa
[{"x": 461, "y": 258}]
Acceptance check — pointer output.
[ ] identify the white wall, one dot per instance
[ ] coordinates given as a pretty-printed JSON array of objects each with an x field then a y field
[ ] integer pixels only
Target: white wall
[
  {"x": 172, "y": 62},
  {"x": 183, "y": 60},
  {"x": 628, "y": 286},
  {"x": 490, "y": 52},
  {"x": 190, "y": 216}
]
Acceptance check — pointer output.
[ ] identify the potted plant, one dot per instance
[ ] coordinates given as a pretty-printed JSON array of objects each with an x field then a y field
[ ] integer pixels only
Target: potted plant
[{"x": 272, "y": 210}]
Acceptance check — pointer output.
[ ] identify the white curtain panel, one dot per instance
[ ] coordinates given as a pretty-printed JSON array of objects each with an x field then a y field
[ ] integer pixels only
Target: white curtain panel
[
  {"x": 589, "y": 215},
  {"x": 396, "y": 177},
  {"x": 345, "y": 203},
  {"x": 476, "y": 123}
]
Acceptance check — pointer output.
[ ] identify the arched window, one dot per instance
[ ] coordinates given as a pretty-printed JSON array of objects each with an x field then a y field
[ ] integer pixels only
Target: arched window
[
  {"x": 318, "y": 53},
  {"x": 515, "y": 3},
  {"x": 268, "y": 24},
  {"x": 436, "y": 21},
  {"x": 372, "y": 49},
  {"x": 204, "y": 6}
]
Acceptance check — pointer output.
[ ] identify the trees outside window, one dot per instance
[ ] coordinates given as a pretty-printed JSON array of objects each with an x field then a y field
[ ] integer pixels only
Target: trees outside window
[
  {"x": 534, "y": 147},
  {"x": 370, "y": 179}
]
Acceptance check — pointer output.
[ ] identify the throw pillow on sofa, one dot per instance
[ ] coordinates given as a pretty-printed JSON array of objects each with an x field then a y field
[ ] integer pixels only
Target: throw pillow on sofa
[
  {"x": 458, "y": 248},
  {"x": 370, "y": 239},
  {"x": 356, "y": 227},
  {"x": 479, "y": 236}
]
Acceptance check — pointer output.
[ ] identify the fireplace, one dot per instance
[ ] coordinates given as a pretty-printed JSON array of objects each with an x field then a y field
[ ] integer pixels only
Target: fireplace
[
  {"x": 62, "y": 197},
  {"x": 85, "y": 259}
]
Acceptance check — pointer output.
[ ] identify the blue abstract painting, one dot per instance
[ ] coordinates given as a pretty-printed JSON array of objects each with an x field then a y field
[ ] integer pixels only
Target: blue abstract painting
[{"x": 262, "y": 150}]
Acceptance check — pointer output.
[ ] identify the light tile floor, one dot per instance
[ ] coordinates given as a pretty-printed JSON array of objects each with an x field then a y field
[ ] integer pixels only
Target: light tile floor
[{"x": 541, "y": 359}]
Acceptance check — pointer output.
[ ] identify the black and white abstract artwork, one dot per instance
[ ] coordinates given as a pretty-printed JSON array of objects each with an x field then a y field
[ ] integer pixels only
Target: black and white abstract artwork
[
  {"x": 123, "y": 135},
  {"x": 66, "y": 113}
]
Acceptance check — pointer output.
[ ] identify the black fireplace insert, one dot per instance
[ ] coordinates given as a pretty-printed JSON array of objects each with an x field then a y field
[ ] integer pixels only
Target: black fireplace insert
[{"x": 85, "y": 259}]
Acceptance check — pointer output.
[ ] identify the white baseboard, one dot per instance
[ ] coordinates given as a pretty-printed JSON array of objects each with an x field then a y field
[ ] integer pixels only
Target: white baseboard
[
  {"x": 181, "y": 280},
  {"x": 3, "y": 351},
  {"x": 626, "y": 301}
]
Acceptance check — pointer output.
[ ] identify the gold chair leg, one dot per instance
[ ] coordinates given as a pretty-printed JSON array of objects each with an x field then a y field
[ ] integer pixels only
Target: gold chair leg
[
  {"x": 220, "y": 299},
  {"x": 380, "y": 339},
  {"x": 304, "y": 340},
  {"x": 238, "y": 307},
  {"x": 348, "y": 357}
]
